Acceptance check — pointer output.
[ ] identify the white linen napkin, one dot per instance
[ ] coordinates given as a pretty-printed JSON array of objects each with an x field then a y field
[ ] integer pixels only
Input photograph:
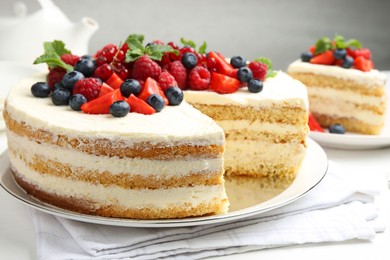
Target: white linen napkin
[{"x": 340, "y": 208}]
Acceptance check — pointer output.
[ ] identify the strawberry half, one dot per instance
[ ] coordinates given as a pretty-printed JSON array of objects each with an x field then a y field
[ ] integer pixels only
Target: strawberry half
[
  {"x": 221, "y": 65},
  {"x": 364, "y": 52},
  {"x": 137, "y": 105},
  {"x": 314, "y": 125},
  {"x": 224, "y": 84},
  {"x": 325, "y": 58},
  {"x": 363, "y": 64},
  {"x": 151, "y": 87},
  {"x": 114, "y": 81},
  {"x": 104, "y": 89},
  {"x": 101, "y": 105}
]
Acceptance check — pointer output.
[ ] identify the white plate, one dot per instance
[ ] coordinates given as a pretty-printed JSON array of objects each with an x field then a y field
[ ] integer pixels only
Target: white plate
[
  {"x": 312, "y": 171},
  {"x": 358, "y": 141},
  {"x": 11, "y": 74}
]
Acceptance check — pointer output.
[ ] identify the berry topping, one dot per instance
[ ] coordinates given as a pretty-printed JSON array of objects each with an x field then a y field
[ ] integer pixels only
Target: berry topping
[
  {"x": 259, "y": 70},
  {"x": 130, "y": 86},
  {"x": 244, "y": 74},
  {"x": 189, "y": 60},
  {"x": 238, "y": 62},
  {"x": 221, "y": 65},
  {"x": 119, "y": 108},
  {"x": 104, "y": 89},
  {"x": 88, "y": 87},
  {"x": 175, "y": 96},
  {"x": 114, "y": 81},
  {"x": 314, "y": 125},
  {"x": 145, "y": 67},
  {"x": 106, "y": 54},
  {"x": 255, "y": 86},
  {"x": 166, "y": 80},
  {"x": 179, "y": 72},
  {"x": 85, "y": 66},
  {"x": 40, "y": 89},
  {"x": 103, "y": 72},
  {"x": 76, "y": 101},
  {"x": 326, "y": 58},
  {"x": 336, "y": 129},
  {"x": 60, "y": 97},
  {"x": 199, "y": 78},
  {"x": 156, "y": 101},
  {"x": 55, "y": 75},
  {"x": 224, "y": 84},
  {"x": 363, "y": 64},
  {"x": 306, "y": 56},
  {"x": 101, "y": 105},
  {"x": 339, "y": 54},
  {"x": 70, "y": 79},
  {"x": 70, "y": 59},
  {"x": 347, "y": 62},
  {"x": 151, "y": 87},
  {"x": 137, "y": 105}
]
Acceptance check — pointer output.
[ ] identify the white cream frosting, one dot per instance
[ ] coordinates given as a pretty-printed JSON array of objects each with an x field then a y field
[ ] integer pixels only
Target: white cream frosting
[
  {"x": 279, "y": 88},
  {"x": 369, "y": 78},
  {"x": 114, "y": 165},
  {"x": 159, "y": 198},
  {"x": 174, "y": 124}
]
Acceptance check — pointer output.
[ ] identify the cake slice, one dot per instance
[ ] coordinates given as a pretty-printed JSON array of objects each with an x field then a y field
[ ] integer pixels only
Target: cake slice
[{"x": 343, "y": 86}]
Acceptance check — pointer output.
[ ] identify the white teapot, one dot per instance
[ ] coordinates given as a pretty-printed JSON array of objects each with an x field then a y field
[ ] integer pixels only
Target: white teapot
[{"x": 22, "y": 37}]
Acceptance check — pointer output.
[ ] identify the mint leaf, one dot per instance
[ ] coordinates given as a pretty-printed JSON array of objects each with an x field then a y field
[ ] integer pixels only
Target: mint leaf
[
  {"x": 322, "y": 45},
  {"x": 340, "y": 42},
  {"x": 188, "y": 43},
  {"x": 132, "y": 55},
  {"x": 135, "y": 41},
  {"x": 52, "y": 55},
  {"x": 354, "y": 43},
  {"x": 202, "y": 48},
  {"x": 271, "y": 74}
]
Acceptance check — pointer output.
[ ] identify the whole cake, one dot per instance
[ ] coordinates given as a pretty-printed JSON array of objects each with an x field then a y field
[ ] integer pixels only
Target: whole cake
[
  {"x": 110, "y": 134},
  {"x": 344, "y": 88}
]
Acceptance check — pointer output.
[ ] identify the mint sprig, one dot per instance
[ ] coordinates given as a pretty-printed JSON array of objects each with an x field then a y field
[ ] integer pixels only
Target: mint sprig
[
  {"x": 270, "y": 68},
  {"x": 324, "y": 44},
  {"x": 137, "y": 49},
  {"x": 52, "y": 55},
  {"x": 201, "y": 49}
]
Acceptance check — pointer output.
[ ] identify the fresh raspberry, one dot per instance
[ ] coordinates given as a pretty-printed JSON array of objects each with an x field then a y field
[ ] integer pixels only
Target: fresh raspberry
[
  {"x": 145, "y": 67},
  {"x": 106, "y": 54},
  {"x": 70, "y": 59},
  {"x": 258, "y": 69},
  {"x": 88, "y": 87},
  {"x": 166, "y": 80},
  {"x": 55, "y": 75},
  {"x": 179, "y": 72},
  {"x": 199, "y": 78}
]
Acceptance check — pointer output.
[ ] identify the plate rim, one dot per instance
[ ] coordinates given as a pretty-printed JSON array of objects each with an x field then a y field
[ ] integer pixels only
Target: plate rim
[{"x": 162, "y": 223}]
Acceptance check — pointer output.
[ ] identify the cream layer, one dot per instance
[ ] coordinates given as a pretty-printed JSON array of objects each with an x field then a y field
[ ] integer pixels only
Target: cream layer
[
  {"x": 181, "y": 124},
  {"x": 248, "y": 151},
  {"x": 370, "y": 78},
  {"x": 345, "y": 96},
  {"x": 344, "y": 109},
  {"x": 281, "y": 88},
  {"x": 114, "y": 165},
  {"x": 261, "y": 127},
  {"x": 101, "y": 195}
]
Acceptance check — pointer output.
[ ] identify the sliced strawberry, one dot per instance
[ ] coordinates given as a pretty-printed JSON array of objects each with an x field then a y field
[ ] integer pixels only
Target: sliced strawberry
[
  {"x": 325, "y": 58},
  {"x": 339, "y": 62},
  {"x": 224, "y": 84},
  {"x": 363, "y": 64},
  {"x": 114, "y": 81},
  {"x": 151, "y": 87},
  {"x": 364, "y": 52},
  {"x": 104, "y": 89},
  {"x": 221, "y": 65},
  {"x": 312, "y": 49},
  {"x": 137, "y": 105},
  {"x": 101, "y": 105},
  {"x": 314, "y": 125}
]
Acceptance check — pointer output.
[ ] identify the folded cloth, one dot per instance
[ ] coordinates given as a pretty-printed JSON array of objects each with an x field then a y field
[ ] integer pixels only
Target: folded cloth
[{"x": 340, "y": 208}]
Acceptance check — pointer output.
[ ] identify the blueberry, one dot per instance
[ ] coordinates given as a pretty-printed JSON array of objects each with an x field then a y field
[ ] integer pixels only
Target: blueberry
[
  {"x": 238, "y": 62},
  {"x": 119, "y": 108},
  {"x": 130, "y": 86},
  {"x": 339, "y": 54},
  {"x": 40, "y": 89},
  {"x": 60, "y": 97},
  {"x": 156, "y": 101},
  {"x": 76, "y": 101},
  {"x": 244, "y": 74},
  {"x": 175, "y": 95},
  {"x": 87, "y": 56},
  {"x": 347, "y": 62},
  {"x": 189, "y": 60},
  {"x": 306, "y": 56},
  {"x": 255, "y": 86},
  {"x": 85, "y": 66},
  {"x": 58, "y": 85},
  {"x": 336, "y": 129},
  {"x": 70, "y": 78}
]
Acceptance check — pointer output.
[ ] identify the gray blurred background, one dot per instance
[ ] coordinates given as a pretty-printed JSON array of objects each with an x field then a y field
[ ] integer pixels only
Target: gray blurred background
[{"x": 278, "y": 29}]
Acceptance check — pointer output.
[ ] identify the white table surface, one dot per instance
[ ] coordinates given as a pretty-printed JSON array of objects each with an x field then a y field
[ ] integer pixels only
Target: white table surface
[{"x": 17, "y": 239}]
